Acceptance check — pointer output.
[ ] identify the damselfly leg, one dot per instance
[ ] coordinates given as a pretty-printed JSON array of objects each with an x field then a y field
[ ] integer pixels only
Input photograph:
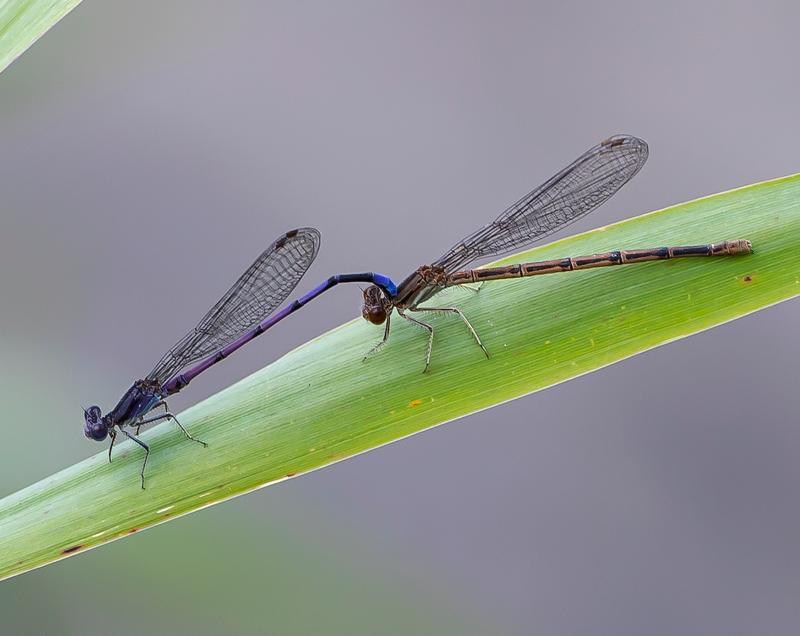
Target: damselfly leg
[
  {"x": 377, "y": 347},
  {"x": 146, "y": 448}
]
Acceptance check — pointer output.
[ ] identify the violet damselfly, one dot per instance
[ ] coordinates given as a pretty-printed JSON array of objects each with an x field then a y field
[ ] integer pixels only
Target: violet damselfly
[{"x": 243, "y": 313}]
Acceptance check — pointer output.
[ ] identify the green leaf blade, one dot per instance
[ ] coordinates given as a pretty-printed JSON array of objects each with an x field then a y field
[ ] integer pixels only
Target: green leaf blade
[
  {"x": 320, "y": 403},
  {"x": 22, "y": 22}
]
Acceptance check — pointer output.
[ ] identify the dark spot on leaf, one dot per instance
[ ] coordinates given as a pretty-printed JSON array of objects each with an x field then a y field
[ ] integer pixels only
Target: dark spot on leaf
[
  {"x": 132, "y": 530},
  {"x": 747, "y": 279},
  {"x": 74, "y": 548},
  {"x": 290, "y": 474}
]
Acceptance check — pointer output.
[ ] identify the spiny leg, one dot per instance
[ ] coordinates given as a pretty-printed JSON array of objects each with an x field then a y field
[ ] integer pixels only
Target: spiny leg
[
  {"x": 143, "y": 445},
  {"x": 429, "y": 329},
  {"x": 461, "y": 315},
  {"x": 380, "y": 344},
  {"x": 169, "y": 416}
]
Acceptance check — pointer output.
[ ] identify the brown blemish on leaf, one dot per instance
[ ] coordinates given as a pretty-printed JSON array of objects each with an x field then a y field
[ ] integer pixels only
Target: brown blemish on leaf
[
  {"x": 414, "y": 403},
  {"x": 290, "y": 474},
  {"x": 132, "y": 530},
  {"x": 747, "y": 279},
  {"x": 74, "y": 548}
]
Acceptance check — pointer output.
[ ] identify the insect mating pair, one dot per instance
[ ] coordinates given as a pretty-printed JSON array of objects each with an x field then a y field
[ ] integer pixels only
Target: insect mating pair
[{"x": 246, "y": 309}]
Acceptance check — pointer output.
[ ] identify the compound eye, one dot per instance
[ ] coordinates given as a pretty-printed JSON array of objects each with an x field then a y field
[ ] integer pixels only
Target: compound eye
[
  {"x": 376, "y": 315},
  {"x": 96, "y": 431},
  {"x": 94, "y": 427}
]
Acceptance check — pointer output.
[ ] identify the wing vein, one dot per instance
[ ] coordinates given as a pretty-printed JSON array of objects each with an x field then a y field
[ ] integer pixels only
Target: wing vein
[{"x": 260, "y": 290}]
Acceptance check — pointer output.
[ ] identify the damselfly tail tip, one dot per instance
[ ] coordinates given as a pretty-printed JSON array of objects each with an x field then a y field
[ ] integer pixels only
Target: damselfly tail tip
[{"x": 739, "y": 246}]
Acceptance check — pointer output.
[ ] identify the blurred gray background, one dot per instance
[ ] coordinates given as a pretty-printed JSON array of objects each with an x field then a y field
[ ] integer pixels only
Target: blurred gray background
[{"x": 151, "y": 149}]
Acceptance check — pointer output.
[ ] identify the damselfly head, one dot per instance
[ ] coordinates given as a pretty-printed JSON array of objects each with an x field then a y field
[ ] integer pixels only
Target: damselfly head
[
  {"x": 374, "y": 308},
  {"x": 95, "y": 426}
]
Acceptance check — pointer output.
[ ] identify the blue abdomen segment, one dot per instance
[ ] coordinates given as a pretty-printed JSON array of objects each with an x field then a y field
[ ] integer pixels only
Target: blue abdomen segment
[
  {"x": 386, "y": 283},
  {"x": 381, "y": 280},
  {"x": 176, "y": 383}
]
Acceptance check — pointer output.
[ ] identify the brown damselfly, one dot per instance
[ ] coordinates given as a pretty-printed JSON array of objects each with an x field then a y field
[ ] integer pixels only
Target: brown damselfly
[{"x": 563, "y": 199}]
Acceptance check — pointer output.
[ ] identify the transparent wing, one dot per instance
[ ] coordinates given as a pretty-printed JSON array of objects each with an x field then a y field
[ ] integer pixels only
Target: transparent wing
[
  {"x": 258, "y": 292},
  {"x": 563, "y": 199}
]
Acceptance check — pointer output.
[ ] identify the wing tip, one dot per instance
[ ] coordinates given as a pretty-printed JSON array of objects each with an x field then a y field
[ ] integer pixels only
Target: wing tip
[
  {"x": 309, "y": 233},
  {"x": 629, "y": 142}
]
